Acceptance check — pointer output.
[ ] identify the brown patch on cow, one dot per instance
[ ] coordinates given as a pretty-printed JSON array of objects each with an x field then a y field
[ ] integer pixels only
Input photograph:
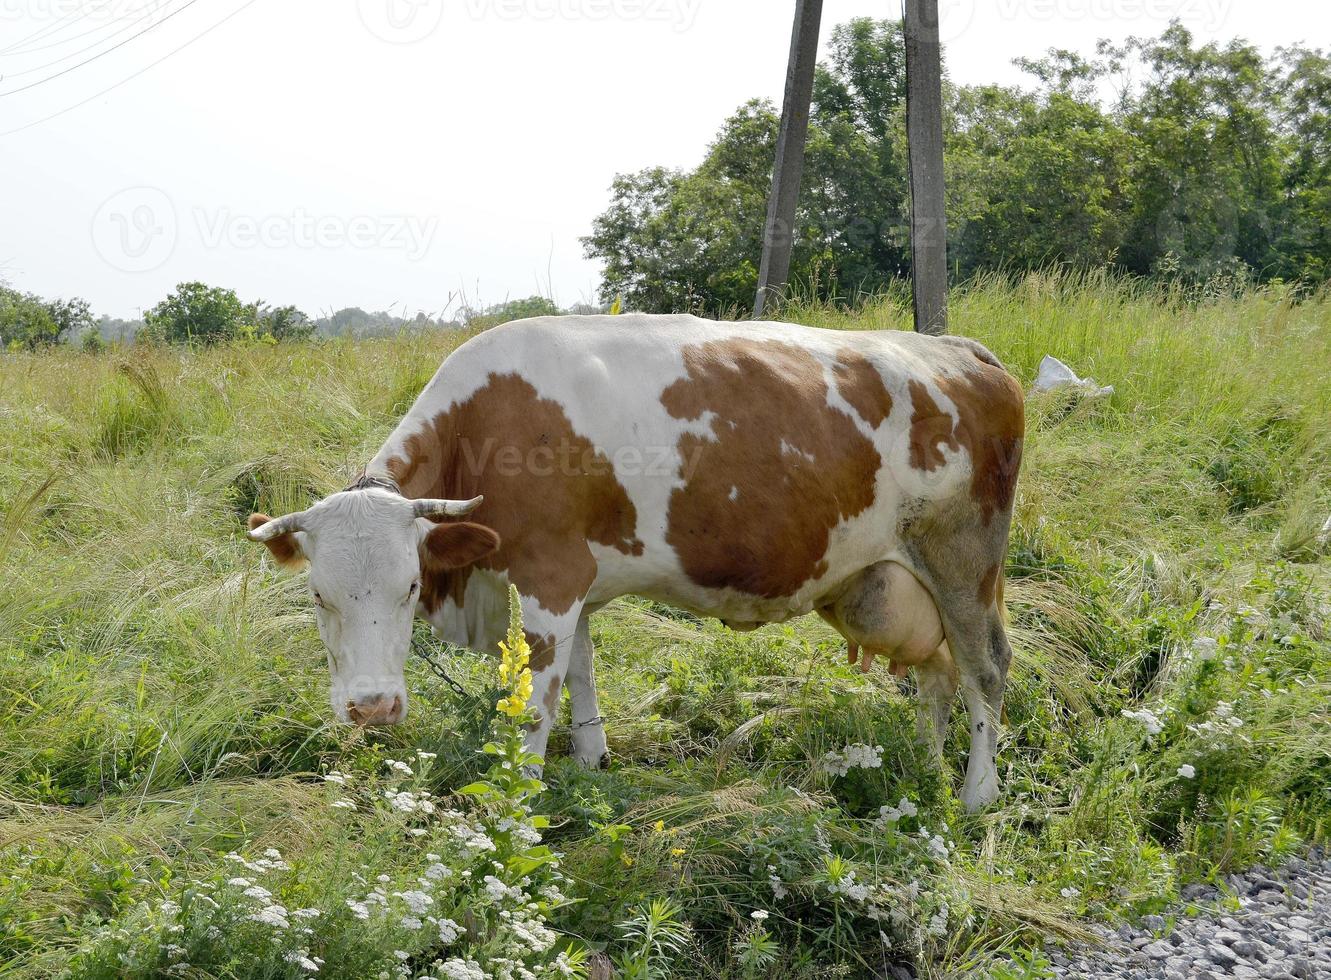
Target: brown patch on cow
[
  {"x": 453, "y": 546},
  {"x": 284, "y": 548},
  {"x": 447, "y": 554},
  {"x": 990, "y": 586},
  {"x": 930, "y": 430},
  {"x": 551, "y": 699},
  {"x": 780, "y": 470},
  {"x": 990, "y": 425},
  {"x": 860, "y": 384},
  {"x": 549, "y": 493},
  {"x": 542, "y": 651}
]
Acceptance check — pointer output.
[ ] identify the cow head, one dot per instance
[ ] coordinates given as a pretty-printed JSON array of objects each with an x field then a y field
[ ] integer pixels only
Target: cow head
[{"x": 367, "y": 551}]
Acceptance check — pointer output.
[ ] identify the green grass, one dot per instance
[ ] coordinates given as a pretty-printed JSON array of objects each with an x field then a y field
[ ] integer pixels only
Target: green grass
[{"x": 163, "y": 702}]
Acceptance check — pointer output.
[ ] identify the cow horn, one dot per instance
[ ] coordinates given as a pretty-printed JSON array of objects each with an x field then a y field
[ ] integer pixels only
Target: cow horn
[
  {"x": 279, "y": 527},
  {"x": 446, "y": 508}
]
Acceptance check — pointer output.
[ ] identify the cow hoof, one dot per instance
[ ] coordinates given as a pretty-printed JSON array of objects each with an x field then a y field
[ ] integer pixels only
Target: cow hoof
[{"x": 594, "y": 762}]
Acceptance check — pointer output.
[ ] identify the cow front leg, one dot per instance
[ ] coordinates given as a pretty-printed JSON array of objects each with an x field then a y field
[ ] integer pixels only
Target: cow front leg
[
  {"x": 551, "y": 640},
  {"x": 589, "y": 745}
]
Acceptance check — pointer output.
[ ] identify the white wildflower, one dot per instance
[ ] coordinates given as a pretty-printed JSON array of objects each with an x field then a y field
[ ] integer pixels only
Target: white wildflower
[
  {"x": 301, "y": 957},
  {"x": 426, "y": 756},
  {"x": 342, "y": 805},
  {"x": 457, "y": 969},
  {"x": 758, "y": 915},
  {"x": 411, "y": 922},
  {"x": 857, "y": 756},
  {"x": 497, "y": 891},
  {"x": 449, "y": 931},
  {"x": 1205, "y": 648},
  {"x": 889, "y": 815},
  {"x": 336, "y": 778},
  {"x": 239, "y": 882},
  {"x": 1187, "y": 771},
  {"x": 271, "y": 915},
  {"x": 359, "y": 909},
  {"x": 401, "y": 768},
  {"x": 1148, "y": 718},
  {"x": 418, "y": 901}
]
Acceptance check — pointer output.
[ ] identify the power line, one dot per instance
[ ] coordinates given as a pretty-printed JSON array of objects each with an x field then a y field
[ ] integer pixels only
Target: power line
[
  {"x": 130, "y": 78},
  {"x": 147, "y": 15},
  {"x": 101, "y": 54}
]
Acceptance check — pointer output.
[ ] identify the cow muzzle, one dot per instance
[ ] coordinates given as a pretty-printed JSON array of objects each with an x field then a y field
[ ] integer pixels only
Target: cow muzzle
[{"x": 375, "y": 711}]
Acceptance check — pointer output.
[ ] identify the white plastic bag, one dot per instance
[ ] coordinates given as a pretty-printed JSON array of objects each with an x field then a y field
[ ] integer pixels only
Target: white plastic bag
[{"x": 1055, "y": 374}]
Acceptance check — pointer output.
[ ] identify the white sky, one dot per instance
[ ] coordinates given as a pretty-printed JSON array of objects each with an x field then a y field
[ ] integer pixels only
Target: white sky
[{"x": 397, "y": 153}]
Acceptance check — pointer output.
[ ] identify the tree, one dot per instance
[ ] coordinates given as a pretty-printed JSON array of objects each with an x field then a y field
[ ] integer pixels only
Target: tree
[
  {"x": 282, "y": 323},
  {"x": 199, "y": 314},
  {"x": 1303, "y": 243},
  {"x": 1208, "y": 161},
  {"x": 516, "y": 309},
  {"x": 1034, "y": 179},
  {"x": 29, "y": 322}
]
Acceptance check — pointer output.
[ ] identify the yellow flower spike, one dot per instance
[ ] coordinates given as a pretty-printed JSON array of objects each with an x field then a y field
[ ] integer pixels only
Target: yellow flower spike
[
  {"x": 514, "y": 674},
  {"x": 659, "y": 826}
]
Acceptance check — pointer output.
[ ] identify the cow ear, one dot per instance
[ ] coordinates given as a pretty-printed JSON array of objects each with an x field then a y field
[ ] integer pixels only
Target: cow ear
[
  {"x": 449, "y": 546},
  {"x": 285, "y": 548}
]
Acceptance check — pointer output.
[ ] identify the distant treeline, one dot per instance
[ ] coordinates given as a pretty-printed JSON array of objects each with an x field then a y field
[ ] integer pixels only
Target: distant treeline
[
  {"x": 195, "y": 313},
  {"x": 1155, "y": 158}
]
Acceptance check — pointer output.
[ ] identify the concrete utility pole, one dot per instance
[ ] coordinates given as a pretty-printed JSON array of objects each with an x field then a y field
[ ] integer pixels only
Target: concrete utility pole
[
  {"x": 779, "y": 232},
  {"x": 924, "y": 133}
]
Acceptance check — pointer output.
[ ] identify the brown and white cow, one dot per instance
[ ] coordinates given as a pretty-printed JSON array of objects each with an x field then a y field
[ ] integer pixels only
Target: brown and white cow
[{"x": 751, "y": 472}]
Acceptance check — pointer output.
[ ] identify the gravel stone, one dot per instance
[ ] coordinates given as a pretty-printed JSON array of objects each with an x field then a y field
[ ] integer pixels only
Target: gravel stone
[{"x": 1280, "y": 931}]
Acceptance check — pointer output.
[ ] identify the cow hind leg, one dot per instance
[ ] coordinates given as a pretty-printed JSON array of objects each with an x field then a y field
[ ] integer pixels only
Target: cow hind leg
[
  {"x": 980, "y": 647},
  {"x": 963, "y": 571},
  {"x": 589, "y": 744},
  {"x": 936, "y": 680}
]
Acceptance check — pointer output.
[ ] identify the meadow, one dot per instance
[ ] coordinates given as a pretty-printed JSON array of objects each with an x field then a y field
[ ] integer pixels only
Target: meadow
[{"x": 174, "y": 799}]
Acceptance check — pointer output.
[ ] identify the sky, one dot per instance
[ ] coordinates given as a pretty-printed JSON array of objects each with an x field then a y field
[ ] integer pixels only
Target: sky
[{"x": 415, "y": 155}]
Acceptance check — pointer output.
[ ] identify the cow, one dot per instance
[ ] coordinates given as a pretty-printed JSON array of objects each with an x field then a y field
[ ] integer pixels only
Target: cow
[{"x": 751, "y": 472}]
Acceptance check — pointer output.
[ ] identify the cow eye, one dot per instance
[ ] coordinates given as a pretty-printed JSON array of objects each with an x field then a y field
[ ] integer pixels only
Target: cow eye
[
  {"x": 415, "y": 588},
  {"x": 319, "y": 601}
]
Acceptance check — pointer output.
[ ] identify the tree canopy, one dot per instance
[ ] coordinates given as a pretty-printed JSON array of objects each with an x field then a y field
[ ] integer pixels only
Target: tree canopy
[
  {"x": 200, "y": 314},
  {"x": 1154, "y": 157},
  {"x": 28, "y": 322}
]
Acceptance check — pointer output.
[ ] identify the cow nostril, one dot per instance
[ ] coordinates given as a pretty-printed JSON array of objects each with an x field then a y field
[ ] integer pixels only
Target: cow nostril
[{"x": 378, "y": 710}]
